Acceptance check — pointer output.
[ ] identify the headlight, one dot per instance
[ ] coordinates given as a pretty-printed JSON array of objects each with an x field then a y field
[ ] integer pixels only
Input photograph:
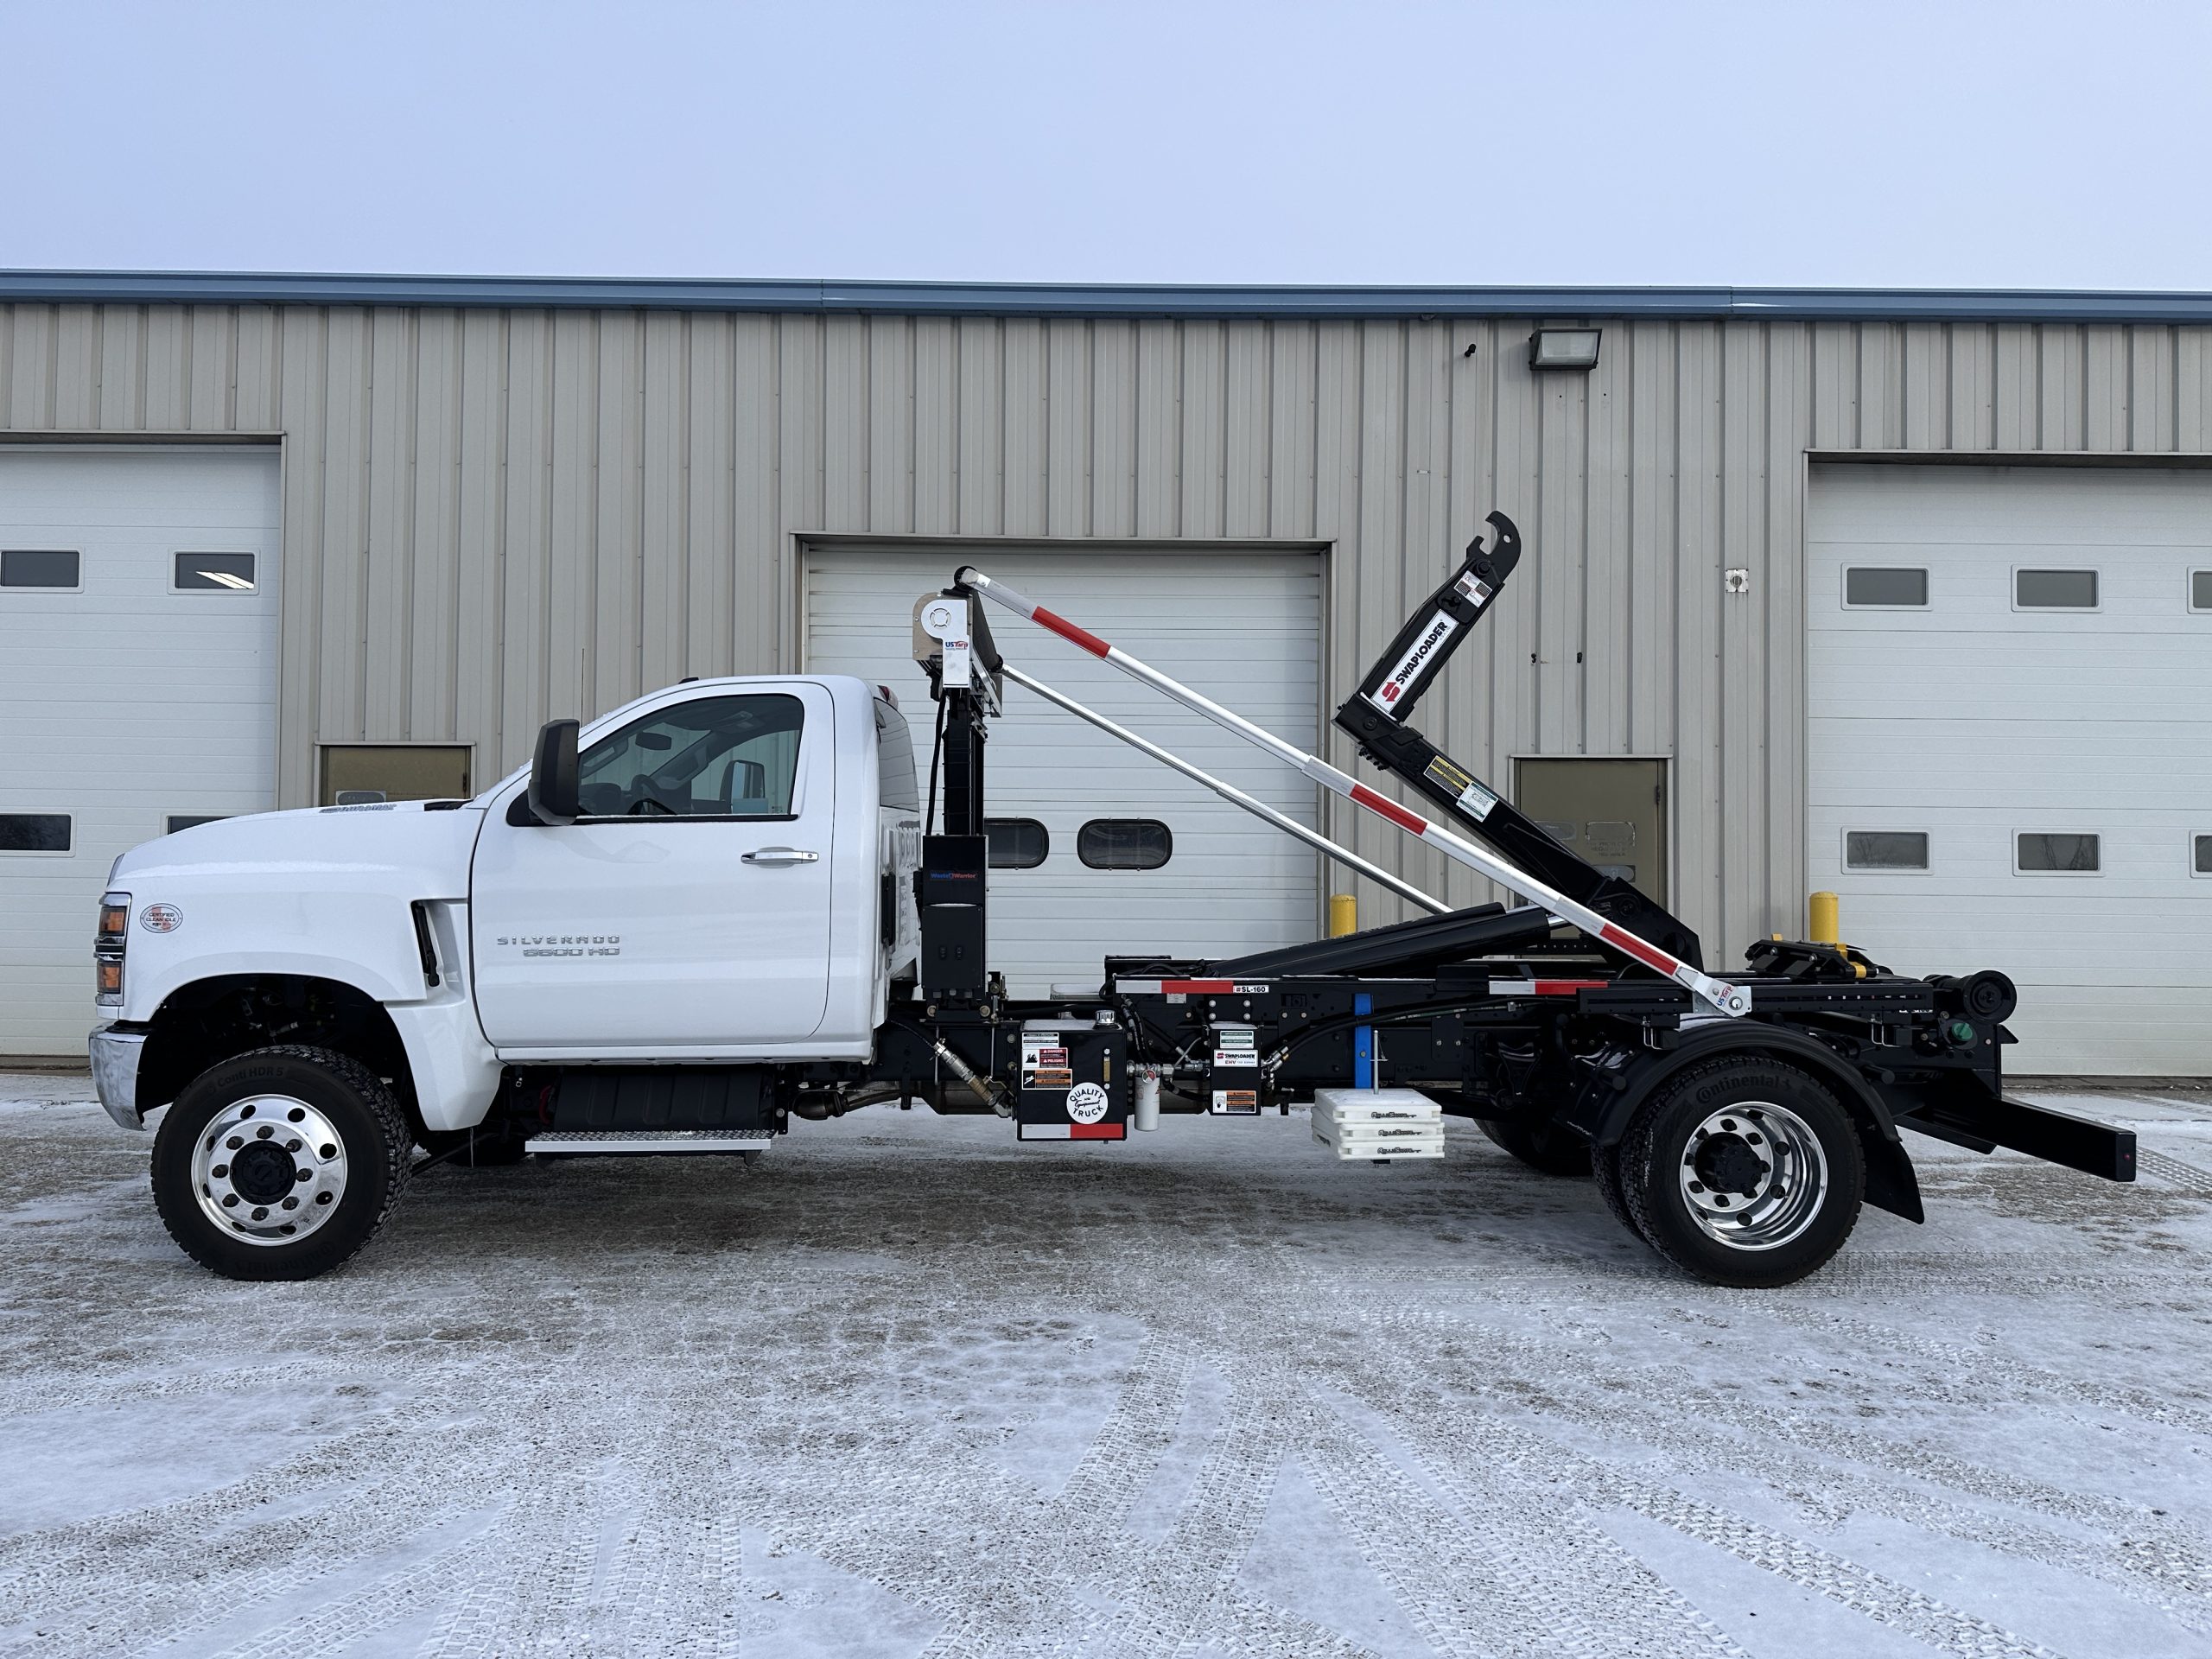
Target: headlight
[{"x": 109, "y": 943}]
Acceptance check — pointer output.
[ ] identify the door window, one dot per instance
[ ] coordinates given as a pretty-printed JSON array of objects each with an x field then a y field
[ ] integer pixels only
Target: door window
[
  {"x": 1124, "y": 844},
  {"x": 39, "y": 567},
  {"x": 34, "y": 832},
  {"x": 2041, "y": 853},
  {"x": 709, "y": 758},
  {"x": 1016, "y": 843},
  {"x": 356, "y": 773}
]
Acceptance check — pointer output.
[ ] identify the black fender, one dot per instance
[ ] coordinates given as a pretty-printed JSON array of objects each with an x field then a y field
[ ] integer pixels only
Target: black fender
[{"x": 1623, "y": 1079}]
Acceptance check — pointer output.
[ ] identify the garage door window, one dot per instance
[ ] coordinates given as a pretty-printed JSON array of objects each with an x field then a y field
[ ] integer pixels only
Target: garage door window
[
  {"x": 1016, "y": 843},
  {"x": 34, "y": 832},
  {"x": 2203, "y": 851},
  {"x": 214, "y": 573},
  {"x": 1124, "y": 844},
  {"x": 2054, "y": 590},
  {"x": 1886, "y": 587},
  {"x": 2041, "y": 853},
  {"x": 2200, "y": 590},
  {"x": 49, "y": 568},
  {"x": 177, "y": 821},
  {"x": 1886, "y": 849}
]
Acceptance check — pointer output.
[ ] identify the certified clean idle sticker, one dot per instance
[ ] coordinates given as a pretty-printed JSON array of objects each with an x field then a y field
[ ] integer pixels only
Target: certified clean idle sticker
[
  {"x": 161, "y": 918},
  {"x": 1086, "y": 1102}
]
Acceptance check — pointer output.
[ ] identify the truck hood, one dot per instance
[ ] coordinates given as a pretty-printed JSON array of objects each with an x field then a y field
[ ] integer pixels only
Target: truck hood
[{"x": 400, "y": 847}]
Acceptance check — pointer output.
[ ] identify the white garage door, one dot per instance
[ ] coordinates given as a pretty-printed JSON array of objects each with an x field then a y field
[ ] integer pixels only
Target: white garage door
[
  {"x": 137, "y": 686},
  {"x": 2011, "y": 743},
  {"x": 1244, "y": 629}
]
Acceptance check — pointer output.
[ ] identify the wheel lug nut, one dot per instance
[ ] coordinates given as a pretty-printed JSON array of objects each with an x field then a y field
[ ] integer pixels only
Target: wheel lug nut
[
  {"x": 307, "y": 1174},
  {"x": 265, "y": 1132},
  {"x": 229, "y": 1200},
  {"x": 293, "y": 1145},
  {"x": 291, "y": 1202},
  {"x": 260, "y": 1214},
  {"x": 234, "y": 1143},
  {"x": 219, "y": 1171}
]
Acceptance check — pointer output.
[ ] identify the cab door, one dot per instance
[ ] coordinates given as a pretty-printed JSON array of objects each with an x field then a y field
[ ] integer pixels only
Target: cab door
[{"x": 688, "y": 908}]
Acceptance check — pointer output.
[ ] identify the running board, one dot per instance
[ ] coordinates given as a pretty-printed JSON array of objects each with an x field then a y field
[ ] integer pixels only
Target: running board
[{"x": 749, "y": 1142}]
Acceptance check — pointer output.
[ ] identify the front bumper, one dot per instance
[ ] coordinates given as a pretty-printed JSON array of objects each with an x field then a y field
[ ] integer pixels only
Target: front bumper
[{"x": 115, "y": 1072}]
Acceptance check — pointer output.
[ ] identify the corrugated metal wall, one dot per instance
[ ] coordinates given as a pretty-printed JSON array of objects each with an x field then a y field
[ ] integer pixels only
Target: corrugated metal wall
[{"x": 490, "y": 517}]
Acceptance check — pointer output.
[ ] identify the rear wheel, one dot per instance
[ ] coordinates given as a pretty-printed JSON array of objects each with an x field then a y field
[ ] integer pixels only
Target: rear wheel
[
  {"x": 280, "y": 1164},
  {"x": 1541, "y": 1144},
  {"x": 1743, "y": 1171}
]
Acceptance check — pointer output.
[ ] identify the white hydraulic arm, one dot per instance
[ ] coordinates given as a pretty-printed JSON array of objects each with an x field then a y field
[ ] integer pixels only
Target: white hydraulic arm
[{"x": 1725, "y": 998}]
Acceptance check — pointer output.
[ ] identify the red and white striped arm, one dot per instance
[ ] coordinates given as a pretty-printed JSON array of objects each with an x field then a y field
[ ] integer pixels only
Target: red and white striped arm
[{"x": 1724, "y": 997}]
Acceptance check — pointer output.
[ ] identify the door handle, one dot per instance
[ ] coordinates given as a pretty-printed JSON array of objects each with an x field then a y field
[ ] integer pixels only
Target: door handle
[{"x": 782, "y": 856}]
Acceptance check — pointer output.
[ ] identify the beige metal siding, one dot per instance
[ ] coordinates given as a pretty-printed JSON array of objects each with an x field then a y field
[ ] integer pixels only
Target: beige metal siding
[{"x": 490, "y": 517}]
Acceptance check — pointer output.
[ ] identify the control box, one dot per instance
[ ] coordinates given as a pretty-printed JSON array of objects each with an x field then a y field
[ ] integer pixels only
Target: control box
[
  {"x": 949, "y": 891},
  {"x": 1075, "y": 1082}
]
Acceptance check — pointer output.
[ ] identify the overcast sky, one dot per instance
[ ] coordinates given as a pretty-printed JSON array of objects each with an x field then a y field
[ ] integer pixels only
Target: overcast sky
[{"x": 2026, "y": 145}]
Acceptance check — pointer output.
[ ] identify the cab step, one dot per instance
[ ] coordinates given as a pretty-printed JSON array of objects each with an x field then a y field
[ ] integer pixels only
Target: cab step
[{"x": 749, "y": 1142}]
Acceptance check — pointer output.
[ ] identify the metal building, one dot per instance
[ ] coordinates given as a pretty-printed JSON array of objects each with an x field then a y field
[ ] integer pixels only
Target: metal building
[{"x": 1908, "y": 595}]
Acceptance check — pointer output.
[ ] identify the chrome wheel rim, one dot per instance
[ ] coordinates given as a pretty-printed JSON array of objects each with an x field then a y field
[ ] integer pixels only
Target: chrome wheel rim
[
  {"x": 1753, "y": 1175},
  {"x": 268, "y": 1169}
]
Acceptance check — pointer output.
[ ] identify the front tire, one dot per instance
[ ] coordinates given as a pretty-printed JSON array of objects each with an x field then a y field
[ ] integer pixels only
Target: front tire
[
  {"x": 280, "y": 1164},
  {"x": 1743, "y": 1171}
]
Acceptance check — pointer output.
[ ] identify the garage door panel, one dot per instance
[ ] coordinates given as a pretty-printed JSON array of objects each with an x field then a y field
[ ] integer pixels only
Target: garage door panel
[
  {"x": 124, "y": 703},
  {"x": 1243, "y": 629},
  {"x": 2131, "y": 766},
  {"x": 1974, "y": 722}
]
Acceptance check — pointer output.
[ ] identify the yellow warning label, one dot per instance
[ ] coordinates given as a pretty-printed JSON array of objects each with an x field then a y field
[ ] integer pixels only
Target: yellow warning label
[{"x": 1443, "y": 771}]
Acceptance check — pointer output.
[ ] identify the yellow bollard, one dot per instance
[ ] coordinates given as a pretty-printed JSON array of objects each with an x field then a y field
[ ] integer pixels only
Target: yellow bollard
[
  {"x": 1344, "y": 914},
  {"x": 1825, "y": 924}
]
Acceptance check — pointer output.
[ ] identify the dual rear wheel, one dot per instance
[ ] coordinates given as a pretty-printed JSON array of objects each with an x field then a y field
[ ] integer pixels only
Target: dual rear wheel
[{"x": 1741, "y": 1169}]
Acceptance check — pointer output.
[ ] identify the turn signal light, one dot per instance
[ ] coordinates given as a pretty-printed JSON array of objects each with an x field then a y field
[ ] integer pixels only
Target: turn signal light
[{"x": 109, "y": 945}]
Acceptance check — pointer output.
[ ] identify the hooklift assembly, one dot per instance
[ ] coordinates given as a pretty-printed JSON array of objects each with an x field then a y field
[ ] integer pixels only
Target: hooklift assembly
[{"x": 1734, "y": 1122}]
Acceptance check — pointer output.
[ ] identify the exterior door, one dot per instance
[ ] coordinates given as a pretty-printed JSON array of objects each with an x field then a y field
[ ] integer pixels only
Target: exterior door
[
  {"x": 1613, "y": 812},
  {"x": 688, "y": 908}
]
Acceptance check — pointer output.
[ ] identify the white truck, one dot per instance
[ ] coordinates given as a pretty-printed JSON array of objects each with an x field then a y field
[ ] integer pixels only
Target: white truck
[{"x": 727, "y": 904}]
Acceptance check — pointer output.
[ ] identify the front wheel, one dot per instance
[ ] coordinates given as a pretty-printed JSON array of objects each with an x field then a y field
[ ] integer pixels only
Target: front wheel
[
  {"x": 1743, "y": 1171},
  {"x": 281, "y": 1163}
]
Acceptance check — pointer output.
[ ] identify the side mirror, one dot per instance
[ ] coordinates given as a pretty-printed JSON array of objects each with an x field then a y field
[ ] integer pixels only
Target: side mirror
[{"x": 553, "y": 776}]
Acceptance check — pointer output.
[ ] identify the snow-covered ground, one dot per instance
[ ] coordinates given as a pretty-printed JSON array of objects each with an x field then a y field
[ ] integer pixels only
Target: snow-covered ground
[{"x": 905, "y": 1387}]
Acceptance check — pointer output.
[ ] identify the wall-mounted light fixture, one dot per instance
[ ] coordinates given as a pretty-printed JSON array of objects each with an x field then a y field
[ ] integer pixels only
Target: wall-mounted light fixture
[{"x": 1563, "y": 348}]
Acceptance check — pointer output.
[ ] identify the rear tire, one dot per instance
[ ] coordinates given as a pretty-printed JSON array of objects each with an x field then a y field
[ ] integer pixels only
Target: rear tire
[
  {"x": 1605, "y": 1167},
  {"x": 1541, "y": 1144},
  {"x": 280, "y": 1164},
  {"x": 1743, "y": 1171}
]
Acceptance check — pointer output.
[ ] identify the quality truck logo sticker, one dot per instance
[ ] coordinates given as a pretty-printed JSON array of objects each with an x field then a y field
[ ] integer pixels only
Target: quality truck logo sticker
[
  {"x": 161, "y": 918},
  {"x": 1086, "y": 1103},
  {"x": 566, "y": 944},
  {"x": 1409, "y": 664}
]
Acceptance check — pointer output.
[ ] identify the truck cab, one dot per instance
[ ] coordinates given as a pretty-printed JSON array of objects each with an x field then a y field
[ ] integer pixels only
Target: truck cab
[{"x": 734, "y": 886}]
